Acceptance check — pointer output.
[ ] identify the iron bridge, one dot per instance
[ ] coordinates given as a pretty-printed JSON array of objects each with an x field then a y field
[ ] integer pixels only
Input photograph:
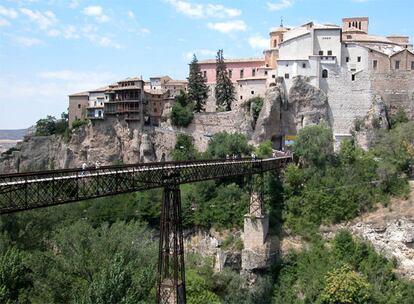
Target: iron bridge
[{"x": 31, "y": 190}]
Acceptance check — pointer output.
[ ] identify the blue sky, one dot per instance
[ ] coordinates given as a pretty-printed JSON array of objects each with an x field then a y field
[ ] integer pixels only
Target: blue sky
[{"x": 50, "y": 48}]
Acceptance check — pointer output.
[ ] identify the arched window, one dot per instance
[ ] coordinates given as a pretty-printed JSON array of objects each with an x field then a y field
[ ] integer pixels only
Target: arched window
[
  {"x": 324, "y": 73},
  {"x": 274, "y": 43}
]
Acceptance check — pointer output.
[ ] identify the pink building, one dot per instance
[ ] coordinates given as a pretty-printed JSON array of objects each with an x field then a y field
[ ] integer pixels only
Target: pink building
[{"x": 237, "y": 68}]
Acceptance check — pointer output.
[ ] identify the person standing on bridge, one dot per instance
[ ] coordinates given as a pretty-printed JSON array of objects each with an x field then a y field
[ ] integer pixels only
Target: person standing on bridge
[{"x": 84, "y": 167}]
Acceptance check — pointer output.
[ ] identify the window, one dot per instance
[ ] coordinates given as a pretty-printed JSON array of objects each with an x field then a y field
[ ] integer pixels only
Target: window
[
  {"x": 412, "y": 65},
  {"x": 349, "y": 24},
  {"x": 353, "y": 77},
  {"x": 79, "y": 106},
  {"x": 241, "y": 73},
  {"x": 348, "y": 36},
  {"x": 329, "y": 53},
  {"x": 230, "y": 73},
  {"x": 359, "y": 58},
  {"x": 347, "y": 59},
  {"x": 324, "y": 73},
  {"x": 374, "y": 64},
  {"x": 253, "y": 72},
  {"x": 273, "y": 76},
  {"x": 287, "y": 64},
  {"x": 321, "y": 53},
  {"x": 252, "y": 92},
  {"x": 304, "y": 65},
  {"x": 397, "y": 64},
  {"x": 274, "y": 43},
  {"x": 205, "y": 74},
  {"x": 286, "y": 76},
  {"x": 241, "y": 97},
  {"x": 265, "y": 72}
]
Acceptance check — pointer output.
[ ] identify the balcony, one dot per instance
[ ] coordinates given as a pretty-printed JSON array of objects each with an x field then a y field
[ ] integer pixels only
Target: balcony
[{"x": 328, "y": 59}]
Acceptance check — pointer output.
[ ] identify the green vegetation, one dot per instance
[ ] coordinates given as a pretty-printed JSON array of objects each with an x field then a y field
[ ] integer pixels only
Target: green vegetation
[
  {"x": 399, "y": 117},
  {"x": 332, "y": 187},
  {"x": 225, "y": 144},
  {"x": 77, "y": 123},
  {"x": 50, "y": 125},
  {"x": 184, "y": 148},
  {"x": 344, "y": 272},
  {"x": 254, "y": 105},
  {"x": 264, "y": 150},
  {"x": 197, "y": 88},
  {"x": 182, "y": 113},
  {"x": 224, "y": 91}
]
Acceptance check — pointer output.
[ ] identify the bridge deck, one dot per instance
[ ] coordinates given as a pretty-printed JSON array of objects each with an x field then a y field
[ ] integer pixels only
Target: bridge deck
[{"x": 23, "y": 191}]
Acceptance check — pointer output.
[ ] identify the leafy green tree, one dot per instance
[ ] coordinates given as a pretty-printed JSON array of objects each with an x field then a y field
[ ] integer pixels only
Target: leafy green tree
[
  {"x": 264, "y": 150},
  {"x": 184, "y": 148},
  {"x": 46, "y": 126},
  {"x": 314, "y": 145},
  {"x": 223, "y": 144},
  {"x": 197, "y": 88},
  {"x": 198, "y": 291},
  {"x": 182, "y": 111},
  {"x": 14, "y": 277},
  {"x": 345, "y": 286},
  {"x": 224, "y": 91}
]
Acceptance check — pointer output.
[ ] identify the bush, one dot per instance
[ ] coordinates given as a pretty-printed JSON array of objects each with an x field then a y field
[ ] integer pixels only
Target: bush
[
  {"x": 50, "y": 125},
  {"x": 184, "y": 148},
  {"x": 181, "y": 116},
  {"x": 398, "y": 117},
  {"x": 223, "y": 144},
  {"x": 264, "y": 150},
  {"x": 314, "y": 145},
  {"x": 77, "y": 123}
]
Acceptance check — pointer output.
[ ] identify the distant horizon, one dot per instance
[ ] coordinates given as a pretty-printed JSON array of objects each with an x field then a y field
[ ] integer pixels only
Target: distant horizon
[{"x": 51, "y": 49}]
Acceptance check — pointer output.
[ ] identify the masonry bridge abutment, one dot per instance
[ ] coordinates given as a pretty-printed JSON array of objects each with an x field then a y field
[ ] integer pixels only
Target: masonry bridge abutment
[{"x": 26, "y": 191}]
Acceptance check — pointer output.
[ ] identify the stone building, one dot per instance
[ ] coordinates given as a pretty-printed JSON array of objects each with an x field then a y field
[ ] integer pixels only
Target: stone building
[{"x": 133, "y": 100}]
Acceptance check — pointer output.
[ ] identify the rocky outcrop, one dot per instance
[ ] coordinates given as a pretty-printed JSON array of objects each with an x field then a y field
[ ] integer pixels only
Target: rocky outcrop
[
  {"x": 309, "y": 104},
  {"x": 107, "y": 142},
  {"x": 365, "y": 129},
  {"x": 268, "y": 124}
]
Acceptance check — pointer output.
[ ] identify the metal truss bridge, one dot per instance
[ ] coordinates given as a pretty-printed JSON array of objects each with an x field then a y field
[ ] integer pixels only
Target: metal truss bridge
[{"x": 25, "y": 191}]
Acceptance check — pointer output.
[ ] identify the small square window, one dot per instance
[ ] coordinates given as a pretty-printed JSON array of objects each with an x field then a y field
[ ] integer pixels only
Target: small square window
[
  {"x": 412, "y": 65},
  {"x": 241, "y": 97},
  {"x": 286, "y": 76},
  {"x": 321, "y": 53},
  {"x": 347, "y": 59},
  {"x": 273, "y": 76},
  {"x": 287, "y": 64},
  {"x": 265, "y": 72},
  {"x": 252, "y": 92},
  {"x": 374, "y": 64},
  {"x": 304, "y": 65},
  {"x": 348, "y": 36},
  {"x": 329, "y": 53},
  {"x": 359, "y": 58},
  {"x": 397, "y": 64},
  {"x": 353, "y": 77},
  {"x": 241, "y": 73},
  {"x": 79, "y": 106}
]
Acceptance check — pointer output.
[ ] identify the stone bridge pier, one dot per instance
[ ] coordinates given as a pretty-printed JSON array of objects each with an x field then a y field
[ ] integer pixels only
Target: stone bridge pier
[{"x": 257, "y": 246}]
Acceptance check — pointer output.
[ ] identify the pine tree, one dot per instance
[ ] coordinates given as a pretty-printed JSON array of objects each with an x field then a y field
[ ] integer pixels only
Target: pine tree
[
  {"x": 197, "y": 88},
  {"x": 225, "y": 91}
]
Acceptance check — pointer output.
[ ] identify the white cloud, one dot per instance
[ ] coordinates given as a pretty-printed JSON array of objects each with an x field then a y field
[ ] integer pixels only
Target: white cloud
[
  {"x": 279, "y": 5},
  {"x": 196, "y": 10},
  {"x": 8, "y": 12},
  {"x": 27, "y": 41},
  {"x": 53, "y": 33},
  {"x": 4, "y": 22},
  {"x": 258, "y": 42},
  {"x": 74, "y": 3},
  {"x": 97, "y": 12},
  {"x": 44, "y": 20},
  {"x": 228, "y": 27},
  {"x": 131, "y": 14},
  {"x": 202, "y": 52}
]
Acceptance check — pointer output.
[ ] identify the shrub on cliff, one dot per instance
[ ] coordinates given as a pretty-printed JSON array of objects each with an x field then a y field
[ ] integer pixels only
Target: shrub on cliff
[
  {"x": 181, "y": 113},
  {"x": 223, "y": 144},
  {"x": 184, "y": 148}
]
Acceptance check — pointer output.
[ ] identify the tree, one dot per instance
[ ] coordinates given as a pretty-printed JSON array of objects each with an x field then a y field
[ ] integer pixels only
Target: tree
[
  {"x": 46, "y": 126},
  {"x": 314, "y": 145},
  {"x": 224, "y": 91},
  {"x": 345, "y": 286},
  {"x": 182, "y": 113},
  {"x": 223, "y": 144},
  {"x": 197, "y": 88},
  {"x": 264, "y": 150},
  {"x": 184, "y": 148}
]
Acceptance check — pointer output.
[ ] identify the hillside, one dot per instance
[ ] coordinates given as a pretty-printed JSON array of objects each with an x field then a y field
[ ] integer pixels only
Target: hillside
[{"x": 13, "y": 134}]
